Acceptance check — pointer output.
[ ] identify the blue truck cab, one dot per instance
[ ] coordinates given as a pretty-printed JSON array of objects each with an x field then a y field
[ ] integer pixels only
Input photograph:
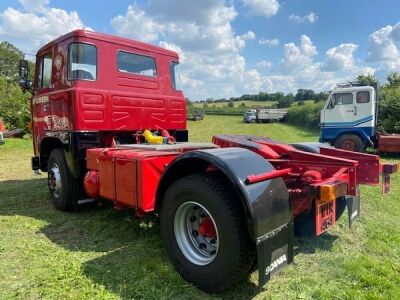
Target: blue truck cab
[{"x": 349, "y": 116}]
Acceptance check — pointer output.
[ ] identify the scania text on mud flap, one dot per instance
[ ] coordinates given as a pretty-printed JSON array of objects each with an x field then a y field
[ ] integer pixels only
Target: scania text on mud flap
[{"x": 109, "y": 122}]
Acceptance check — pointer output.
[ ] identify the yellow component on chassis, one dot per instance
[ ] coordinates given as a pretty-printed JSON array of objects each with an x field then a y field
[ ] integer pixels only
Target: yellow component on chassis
[
  {"x": 330, "y": 191},
  {"x": 152, "y": 139}
]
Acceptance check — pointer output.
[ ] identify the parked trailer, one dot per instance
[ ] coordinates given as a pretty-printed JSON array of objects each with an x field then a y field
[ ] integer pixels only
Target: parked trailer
[
  {"x": 264, "y": 115},
  {"x": 349, "y": 120},
  {"x": 109, "y": 123},
  {"x": 196, "y": 115}
]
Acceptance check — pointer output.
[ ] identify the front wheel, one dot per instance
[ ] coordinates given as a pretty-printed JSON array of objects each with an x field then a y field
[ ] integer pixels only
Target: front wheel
[
  {"x": 350, "y": 142},
  {"x": 63, "y": 187},
  {"x": 204, "y": 231}
]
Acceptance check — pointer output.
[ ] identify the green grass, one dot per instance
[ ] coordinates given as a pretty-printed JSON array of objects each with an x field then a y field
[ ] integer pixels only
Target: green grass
[
  {"x": 202, "y": 131},
  {"x": 101, "y": 253}
]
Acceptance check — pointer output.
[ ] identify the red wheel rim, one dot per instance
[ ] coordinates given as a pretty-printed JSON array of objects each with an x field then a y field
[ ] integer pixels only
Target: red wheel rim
[{"x": 348, "y": 145}]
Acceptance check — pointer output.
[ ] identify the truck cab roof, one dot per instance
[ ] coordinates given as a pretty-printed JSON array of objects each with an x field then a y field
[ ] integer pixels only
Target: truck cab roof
[
  {"x": 80, "y": 33},
  {"x": 351, "y": 89}
]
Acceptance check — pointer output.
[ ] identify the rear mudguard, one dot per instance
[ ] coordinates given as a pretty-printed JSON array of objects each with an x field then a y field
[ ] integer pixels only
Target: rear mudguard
[{"x": 266, "y": 203}]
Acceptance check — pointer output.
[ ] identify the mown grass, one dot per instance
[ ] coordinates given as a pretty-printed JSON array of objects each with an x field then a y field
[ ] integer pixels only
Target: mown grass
[
  {"x": 101, "y": 253},
  {"x": 202, "y": 131}
]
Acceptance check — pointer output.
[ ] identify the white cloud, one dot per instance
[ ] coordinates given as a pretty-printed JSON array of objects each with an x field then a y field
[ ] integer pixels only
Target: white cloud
[
  {"x": 38, "y": 25},
  {"x": 310, "y": 18},
  {"x": 34, "y": 4},
  {"x": 384, "y": 47},
  {"x": 212, "y": 64},
  {"x": 249, "y": 35},
  {"x": 340, "y": 58},
  {"x": 264, "y": 64},
  {"x": 269, "y": 42},
  {"x": 264, "y": 8},
  {"x": 296, "y": 57},
  {"x": 135, "y": 24}
]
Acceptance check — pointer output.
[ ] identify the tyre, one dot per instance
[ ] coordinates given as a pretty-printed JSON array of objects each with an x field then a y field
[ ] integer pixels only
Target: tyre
[
  {"x": 63, "y": 187},
  {"x": 350, "y": 142},
  {"x": 204, "y": 231},
  {"x": 304, "y": 224}
]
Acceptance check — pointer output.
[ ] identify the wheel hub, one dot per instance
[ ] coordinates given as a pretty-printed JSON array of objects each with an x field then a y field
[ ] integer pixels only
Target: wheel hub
[
  {"x": 54, "y": 180},
  {"x": 348, "y": 145},
  {"x": 196, "y": 233}
]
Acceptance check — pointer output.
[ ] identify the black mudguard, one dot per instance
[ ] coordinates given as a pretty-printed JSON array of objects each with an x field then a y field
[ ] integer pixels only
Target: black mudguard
[{"x": 266, "y": 203}]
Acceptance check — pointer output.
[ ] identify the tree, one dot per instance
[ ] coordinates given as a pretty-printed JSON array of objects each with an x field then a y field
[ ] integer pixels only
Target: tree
[
  {"x": 14, "y": 105},
  {"x": 389, "y": 108},
  {"x": 231, "y": 104},
  {"x": 366, "y": 79},
  {"x": 393, "y": 80},
  {"x": 9, "y": 62}
]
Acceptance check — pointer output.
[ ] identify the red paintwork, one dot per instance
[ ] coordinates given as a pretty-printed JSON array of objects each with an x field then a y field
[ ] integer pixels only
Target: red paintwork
[
  {"x": 389, "y": 143},
  {"x": 207, "y": 228},
  {"x": 129, "y": 177},
  {"x": 331, "y": 164},
  {"x": 116, "y": 101},
  {"x": 267, "y": 176},
  {"x": 91, "y": 184}
]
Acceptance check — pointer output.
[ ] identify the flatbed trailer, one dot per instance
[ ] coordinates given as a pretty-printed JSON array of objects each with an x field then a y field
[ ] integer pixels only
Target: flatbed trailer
[{"x": 109, "y": 123}]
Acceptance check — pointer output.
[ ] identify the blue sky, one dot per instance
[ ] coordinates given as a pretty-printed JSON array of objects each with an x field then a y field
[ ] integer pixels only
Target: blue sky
[{"x": 228, "y": 48}]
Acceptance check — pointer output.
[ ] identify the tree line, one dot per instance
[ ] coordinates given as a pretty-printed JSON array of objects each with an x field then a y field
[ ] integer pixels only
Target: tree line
[{"x": 281, "y": 99}]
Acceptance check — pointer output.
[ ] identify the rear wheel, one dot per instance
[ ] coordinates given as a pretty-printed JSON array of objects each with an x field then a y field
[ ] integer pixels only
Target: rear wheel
[
  {"x": 63, "y": 187},
  {"x": 205, "y": 234},
  {"x": 350, "y": 142}
]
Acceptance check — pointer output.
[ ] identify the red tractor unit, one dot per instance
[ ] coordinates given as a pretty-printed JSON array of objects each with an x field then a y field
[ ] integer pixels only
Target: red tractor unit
[{"x": 109, "y": 121}]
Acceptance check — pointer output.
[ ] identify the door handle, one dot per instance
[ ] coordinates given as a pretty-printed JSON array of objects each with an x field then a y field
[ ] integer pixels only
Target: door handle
[
  {"x": 350, "y": 110},
  {"x": 355, "y": 110}
]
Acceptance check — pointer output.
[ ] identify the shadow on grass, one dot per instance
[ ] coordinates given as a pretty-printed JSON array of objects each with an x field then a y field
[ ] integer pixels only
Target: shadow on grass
[{"x": 133, "y": 263}]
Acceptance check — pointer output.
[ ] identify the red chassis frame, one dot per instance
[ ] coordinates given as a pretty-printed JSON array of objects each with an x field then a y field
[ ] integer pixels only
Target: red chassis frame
[
  {"x": 129, "y": 175},
  {"x": 319, "y": 177}
]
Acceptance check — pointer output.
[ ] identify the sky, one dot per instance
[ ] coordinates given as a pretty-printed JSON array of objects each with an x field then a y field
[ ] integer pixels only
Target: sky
[{"x": 235, "y": 47}]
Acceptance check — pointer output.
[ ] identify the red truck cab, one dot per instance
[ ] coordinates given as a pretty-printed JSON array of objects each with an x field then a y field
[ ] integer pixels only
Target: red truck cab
[{"x": 90, "y": 86}]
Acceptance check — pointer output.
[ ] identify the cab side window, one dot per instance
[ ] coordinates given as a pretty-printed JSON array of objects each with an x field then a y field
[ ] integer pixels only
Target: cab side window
[
  {"x": 362, "y": 97},
  {"x": 136, "y": 64},
  {"x": 82, "y": 62},
  {"x": 342, "y": 99},
  {"x": 44, "y": 71}
]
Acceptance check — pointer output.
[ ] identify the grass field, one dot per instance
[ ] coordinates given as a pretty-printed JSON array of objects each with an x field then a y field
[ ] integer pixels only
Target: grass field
[{"x": 101, "y": 253}]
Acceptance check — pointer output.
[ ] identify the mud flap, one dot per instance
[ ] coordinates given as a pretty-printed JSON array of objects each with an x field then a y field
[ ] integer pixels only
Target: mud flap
[
  {"x": 274, "y": 252},
  {"x": 353, "y": 207}
]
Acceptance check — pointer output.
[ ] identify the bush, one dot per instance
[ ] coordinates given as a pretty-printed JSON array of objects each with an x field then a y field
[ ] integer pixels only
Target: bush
[
  {"x": 14, "y": 105},
  {"x": 389, "y": 109},
  {"x": 307, "y": 115}
]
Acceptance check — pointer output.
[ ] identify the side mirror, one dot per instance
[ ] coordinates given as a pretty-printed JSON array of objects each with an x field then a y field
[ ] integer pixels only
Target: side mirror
[
  {"x": 24, "y": 82},
  {"x": 23, "y": 69}
]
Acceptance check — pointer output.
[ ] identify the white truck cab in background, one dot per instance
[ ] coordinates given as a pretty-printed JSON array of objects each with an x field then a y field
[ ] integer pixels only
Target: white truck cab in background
[{"x": 349, "y": 117}]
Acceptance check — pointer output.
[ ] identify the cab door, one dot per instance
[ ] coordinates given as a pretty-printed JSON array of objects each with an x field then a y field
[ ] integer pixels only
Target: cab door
[
  {"x": 41, "y": 110},
  {"x": 364, "y": 108},
  {"x": 340, "y": 110}
]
